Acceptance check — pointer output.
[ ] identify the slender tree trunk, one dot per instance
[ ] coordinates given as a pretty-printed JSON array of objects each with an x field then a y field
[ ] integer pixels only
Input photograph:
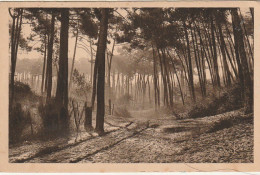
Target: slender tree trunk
[
  {"x": 94, "y": 85},
  {"x": 222, "y": 47},
  {"x": 49, "y": 59},
  {"x": 91, "y": 61},
  {"x": 197, "y": 61},
  {"x": 165, "y": 87},
  {"x": 12, "y": 64},
  {"x": 15, "y": 36},
  {"x": 44, "y": 63},
  {"x": 215, "y": 56},
  {"x": 190, "y": 70},
  {"x": 168, "y": 80},
  {"x": 173, "y": 64},
  {"x": 155, "y": 80},
  {"x": 109, "y": 60},
  {"x": 246, "y": 36},
  {"x": 74, "y": 55},
  {"x": 245, "y": 75}
]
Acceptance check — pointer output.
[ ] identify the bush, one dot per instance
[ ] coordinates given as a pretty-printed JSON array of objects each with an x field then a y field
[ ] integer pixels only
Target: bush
[
  {"x": 122, "y": 112},
  {"x": 124, "y": 99},
  {"x": 22, "y": 88},
  {"x": 18, "y": 121},
  {"x": 229, "y": 99},
  {"x": 49, "y": 115},
  {"x": 55, "y": 120},
  {"x": 222, "y": 124},
  {"x": 226, "y": 122}
]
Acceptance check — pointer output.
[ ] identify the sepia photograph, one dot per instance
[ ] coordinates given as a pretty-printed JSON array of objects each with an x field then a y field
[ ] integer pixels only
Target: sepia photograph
[{"x": 130, "y": 84}]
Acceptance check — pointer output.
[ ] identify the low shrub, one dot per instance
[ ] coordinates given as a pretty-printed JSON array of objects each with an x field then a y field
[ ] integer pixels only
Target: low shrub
[
  {"x": 49, "y": 116},
  {"x": 19, "y": 119},
  {"x": 228, "y": 99},
  {"x": 54, "y": 119},
  {"x": 21, "y": 88},
  {"x": 122, "y": 112},
  {"x": 222, "y": 124},
  {"x": 226, "y": 122},
  {"x": 124, "y": 99}
]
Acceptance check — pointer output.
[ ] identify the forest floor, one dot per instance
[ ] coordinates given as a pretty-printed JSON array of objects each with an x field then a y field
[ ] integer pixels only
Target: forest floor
[{"x": 147, "y": 136}]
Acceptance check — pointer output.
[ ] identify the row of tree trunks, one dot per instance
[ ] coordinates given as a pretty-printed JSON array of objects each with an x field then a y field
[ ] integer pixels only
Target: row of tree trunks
[
  {"x": 243, "y": 68},
  {"x": 189, "y": 65},
  {"x": 15, "y": 37}
]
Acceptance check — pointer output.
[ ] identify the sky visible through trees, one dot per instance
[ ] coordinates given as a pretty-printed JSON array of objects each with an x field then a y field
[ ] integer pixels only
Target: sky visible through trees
[{"x": 107, "y": 62}]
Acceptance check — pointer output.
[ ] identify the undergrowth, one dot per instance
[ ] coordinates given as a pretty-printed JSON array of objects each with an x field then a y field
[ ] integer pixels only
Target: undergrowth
[
  {"x": 19, "y": 114},
  {"x": 217, "y": 102}
]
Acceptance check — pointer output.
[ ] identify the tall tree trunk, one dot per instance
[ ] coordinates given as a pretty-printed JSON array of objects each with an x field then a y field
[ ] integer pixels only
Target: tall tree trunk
[
  {"x": 197, "y": 61},
  {"x": 62, "y": 84},
  {"x": 173, "y": 64},
  {"x": 91, "y": 60},
  {"x": 94, "y": 85},
  {"x": 222, "y": 47},
  {"x": 245, "y": 79},
  {"x": 109, "y": 63},
  {"x": 47, "y": 71},
  {"x": 215, "y": 56},
  {"x": 49, "y": 59},
  {"x": 15, "y": 36},
  {"x": 44, "y": 63},
  {"x": 166, "y": 63},
  {"x": 190, "y": 70},
  {"x": 101, "y": 49},
  {"x": 246, "y": 36},
  {"x": 12, "y": 64},
  {"x": 165, "y": 87},
  {"x": 155, "y": 76},
  {"x": 74, "y": 55}
]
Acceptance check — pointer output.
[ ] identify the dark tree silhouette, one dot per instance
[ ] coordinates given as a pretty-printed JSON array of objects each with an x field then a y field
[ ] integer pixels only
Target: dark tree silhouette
[
  {"x": 62, "y": 84},
  {"x": 243, "y": 68},
  {"x": 101, "y": 50},
  {"x": 15, "y": 37},
  {"x": 49, "y": 58}
]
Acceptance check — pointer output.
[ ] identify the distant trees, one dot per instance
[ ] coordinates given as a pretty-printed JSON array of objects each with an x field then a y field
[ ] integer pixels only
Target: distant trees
[
  {"x": 197, "y": 40},
  {"x": 170, "y": 53}
]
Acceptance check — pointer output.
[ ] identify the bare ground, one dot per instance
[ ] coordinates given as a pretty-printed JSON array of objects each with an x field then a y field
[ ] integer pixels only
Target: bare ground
[{"x": 153, "y": 138}]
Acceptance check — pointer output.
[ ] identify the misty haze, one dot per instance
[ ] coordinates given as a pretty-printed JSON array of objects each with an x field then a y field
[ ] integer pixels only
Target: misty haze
[{"x": 131, "y": 85}]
